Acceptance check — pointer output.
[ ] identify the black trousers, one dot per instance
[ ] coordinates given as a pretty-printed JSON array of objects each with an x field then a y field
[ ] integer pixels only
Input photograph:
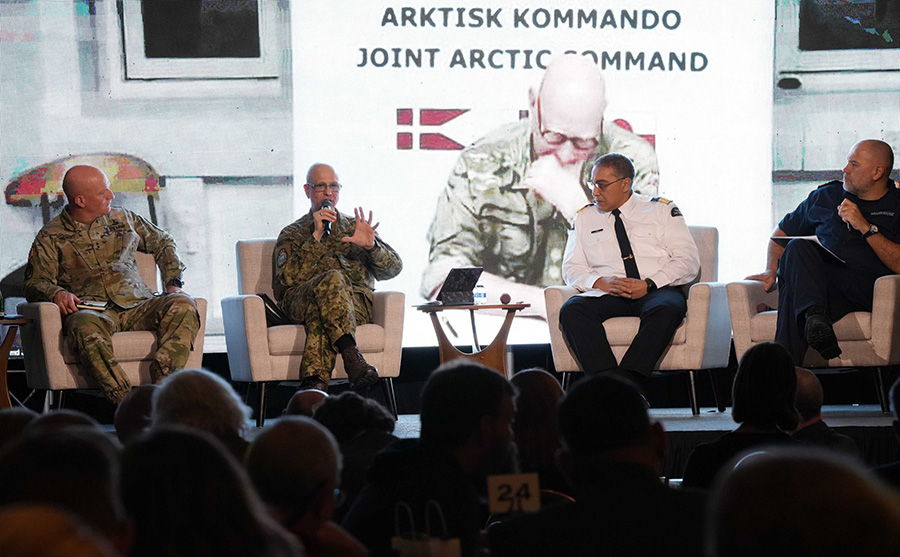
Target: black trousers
[
  {"x": 807, "y": 276},
  {"x": 581, "y": 319}
]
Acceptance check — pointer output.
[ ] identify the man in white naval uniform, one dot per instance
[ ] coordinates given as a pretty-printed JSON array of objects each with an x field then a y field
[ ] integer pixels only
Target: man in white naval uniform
[{"x": 627, "y": 255}]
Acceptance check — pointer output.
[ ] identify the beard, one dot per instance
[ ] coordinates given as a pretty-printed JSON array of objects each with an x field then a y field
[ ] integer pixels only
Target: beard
[{"x": 502, "y": 458}]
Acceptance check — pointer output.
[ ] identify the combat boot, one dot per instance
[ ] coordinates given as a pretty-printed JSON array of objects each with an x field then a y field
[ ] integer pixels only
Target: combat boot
[{"x": 362, "y": 374}]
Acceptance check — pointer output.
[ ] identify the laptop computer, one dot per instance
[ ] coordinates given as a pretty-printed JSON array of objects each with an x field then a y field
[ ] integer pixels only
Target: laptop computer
[{"x": 459, "y": 285}]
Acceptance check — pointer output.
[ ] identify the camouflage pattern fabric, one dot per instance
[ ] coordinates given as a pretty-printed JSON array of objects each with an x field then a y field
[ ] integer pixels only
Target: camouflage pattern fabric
[
  {"x": 327, "y": 286},
  {"x": 174, "y": 317},
  {"x": 486, "y": 217},
  {"x": 95, "y": 261}
]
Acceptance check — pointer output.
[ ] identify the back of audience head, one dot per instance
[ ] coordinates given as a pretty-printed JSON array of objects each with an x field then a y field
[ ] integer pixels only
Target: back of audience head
[
  {"x": 304, "y": 402},
  {"x": 30, "y": 530},
  {"x": 809, "y": 398},
  {"x": 349, "y": 414},
  {"x": 801, "y": 502},
  {"x": 536, "y": 428},
  {"x": 295, "y": 465},
  {"x": 603, "y": 420},
  {"x": 456, "y": 398},
  {"x": 13, "y": 422},
  {"x": 64, "y": 418},
  {"x": 189, "y": 497},
  {"x": 134, "y": 413},
  {"x": 75, "y": 468},
  {"x": 765, "y": 387},
  {"x": 202, "y": 400}
]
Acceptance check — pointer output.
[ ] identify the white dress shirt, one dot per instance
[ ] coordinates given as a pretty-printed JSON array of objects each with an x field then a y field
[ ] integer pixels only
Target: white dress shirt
[{"x": 662, "y": 244}]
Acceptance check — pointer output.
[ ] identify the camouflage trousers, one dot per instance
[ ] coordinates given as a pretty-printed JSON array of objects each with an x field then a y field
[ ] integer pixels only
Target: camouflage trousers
[
  {"x": 174, "y": 317},
  {"x": 329, "y": 309}
]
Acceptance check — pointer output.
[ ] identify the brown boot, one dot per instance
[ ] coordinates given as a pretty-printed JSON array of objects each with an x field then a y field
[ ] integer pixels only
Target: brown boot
[{"x": 362, "y": 374}]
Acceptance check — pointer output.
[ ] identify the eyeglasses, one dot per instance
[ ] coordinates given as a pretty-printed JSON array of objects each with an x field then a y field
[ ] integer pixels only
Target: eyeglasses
[
  {"x": 603, "y": 185},
  {"x": 556, "y": 138},
  {"x": 334, "y": 187}
]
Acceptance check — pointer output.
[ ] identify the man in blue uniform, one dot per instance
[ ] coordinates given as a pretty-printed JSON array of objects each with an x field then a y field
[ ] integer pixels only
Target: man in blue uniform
[{"x": 859, "y": 221}]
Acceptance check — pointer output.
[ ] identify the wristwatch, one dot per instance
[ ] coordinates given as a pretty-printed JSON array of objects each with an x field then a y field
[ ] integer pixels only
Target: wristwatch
[
  {"x": 176, "y": 282},
  {"x": 651, "y": 286},
  {"x": 871, "y": 232}
]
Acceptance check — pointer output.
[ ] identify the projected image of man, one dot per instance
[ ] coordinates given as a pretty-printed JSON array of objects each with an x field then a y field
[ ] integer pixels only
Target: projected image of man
[
  {"x": 513, "y": 194},
  {"x": 326, "y": 264}
]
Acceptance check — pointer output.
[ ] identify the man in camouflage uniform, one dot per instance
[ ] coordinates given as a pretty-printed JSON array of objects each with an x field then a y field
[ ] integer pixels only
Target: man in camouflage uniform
[
  {"x": 324, "y": 280},
  {"x": 513, "y": 194},
  {"x": 87, "y": 254}
]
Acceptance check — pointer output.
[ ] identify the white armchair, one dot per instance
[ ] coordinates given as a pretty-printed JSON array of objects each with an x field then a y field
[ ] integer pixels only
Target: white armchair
[
  {"x": 703, "y": 341},
  {"x": 50, "y": 363},
  {"x": 262, "y": 355},
  {"x": 867, "y": 339}
]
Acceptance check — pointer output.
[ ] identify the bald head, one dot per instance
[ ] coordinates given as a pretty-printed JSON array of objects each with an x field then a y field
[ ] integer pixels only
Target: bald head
[
  {"x": 809, "y": 398},
  {"x": 304, "y": 402},
  {"x": 80, "y": 177},
  {"x": 289, "y": 460},
  {"x": 87, "y": 192},
  {"x": 880, "y": 153},
  {"x": 868, "y": 167},
  {"x": 320, "y": 172}
]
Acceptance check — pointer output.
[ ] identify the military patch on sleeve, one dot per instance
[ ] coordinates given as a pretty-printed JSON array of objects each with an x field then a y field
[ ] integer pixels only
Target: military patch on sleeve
[
  {"x": 676, "y": 212},
  {"x": 282, "y": 257},
  {"x": 661, "y": 200}
]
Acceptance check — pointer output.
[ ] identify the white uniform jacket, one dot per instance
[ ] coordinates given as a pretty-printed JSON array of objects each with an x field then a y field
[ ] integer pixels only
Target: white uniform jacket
[{"x": 663, "y": 247}]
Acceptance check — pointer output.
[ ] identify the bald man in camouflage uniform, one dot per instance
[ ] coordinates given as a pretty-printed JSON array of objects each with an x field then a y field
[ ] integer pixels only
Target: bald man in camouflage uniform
[
  {"x": 512, "y": 196},
  {"x": 325, "y": 281},
  {"x": 87, "y": 253}
]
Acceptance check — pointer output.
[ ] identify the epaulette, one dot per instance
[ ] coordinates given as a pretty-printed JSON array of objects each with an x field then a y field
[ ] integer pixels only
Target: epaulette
[
  {"x": 831, "y": 183},
  {"x": 583, "y": 208},
  {"x": 661, "y": 200}
]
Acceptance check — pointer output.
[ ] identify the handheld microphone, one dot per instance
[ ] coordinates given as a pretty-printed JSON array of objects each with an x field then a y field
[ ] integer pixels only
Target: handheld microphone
[{"x": 326, "y": 225}]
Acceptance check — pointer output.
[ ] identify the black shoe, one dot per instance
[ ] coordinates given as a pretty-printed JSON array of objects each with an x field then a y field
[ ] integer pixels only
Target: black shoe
[
  {"x": 820, "y": 335},
  {"x": 361, "y": 373},
  {"x": 313, "y": 382}
]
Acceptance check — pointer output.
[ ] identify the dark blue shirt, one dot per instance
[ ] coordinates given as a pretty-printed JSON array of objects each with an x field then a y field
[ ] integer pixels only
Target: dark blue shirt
[{"x": 817, "y": 214}]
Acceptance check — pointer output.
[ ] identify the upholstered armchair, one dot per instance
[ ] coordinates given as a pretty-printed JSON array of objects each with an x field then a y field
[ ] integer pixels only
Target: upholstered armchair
[
  {"x": 703, "y": 341},
  {"x": 265, "y": 355},
  {"x": 50, "y": 363}
]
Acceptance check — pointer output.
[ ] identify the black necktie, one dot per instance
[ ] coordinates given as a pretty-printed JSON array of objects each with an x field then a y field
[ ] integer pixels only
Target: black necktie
[{"x": 631, "y": 270}]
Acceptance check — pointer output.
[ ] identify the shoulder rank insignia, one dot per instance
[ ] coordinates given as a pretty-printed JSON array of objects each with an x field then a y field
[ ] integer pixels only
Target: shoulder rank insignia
[
  {"x": 282, "y": 257},
  {"x": 583, "y": 208},
  {"x": 676, "y": 212},
  {"x": 661, "y": 200}
]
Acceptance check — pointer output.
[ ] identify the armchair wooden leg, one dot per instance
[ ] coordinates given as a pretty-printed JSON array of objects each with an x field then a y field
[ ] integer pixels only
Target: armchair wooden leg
[
  {"x": 879, "y": 386},
  {"x": 692, "y": 393},
  {"x": 260, "y": 403},
  {"x": 713, "y": 377},
  {"x": 387, "y": 384}
]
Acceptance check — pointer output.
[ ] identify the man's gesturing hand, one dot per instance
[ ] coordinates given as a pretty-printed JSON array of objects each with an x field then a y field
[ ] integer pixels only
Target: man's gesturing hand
[{"x": 364, "y": 234}]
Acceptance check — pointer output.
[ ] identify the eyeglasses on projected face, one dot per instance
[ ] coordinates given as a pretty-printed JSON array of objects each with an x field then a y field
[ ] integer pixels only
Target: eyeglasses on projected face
[
  {"x": 556, "y": 138},
  {"x": 601, "y": 185},
  {"x": 333, "y": 187}
]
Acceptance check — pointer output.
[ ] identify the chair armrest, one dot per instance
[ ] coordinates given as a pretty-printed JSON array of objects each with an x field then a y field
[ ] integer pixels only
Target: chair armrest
[
  {"x": 195, "y": 360},
  {"x": 246, "y": 336},
  {"x": 708, "y": 324},
  {"x": 389, "y": 311},
  {"x": 885, "y": 329},
  {"x": 554, "y": 298},
  {"x": 743, "y": 298},
  {"x": 42, "y": 342}
]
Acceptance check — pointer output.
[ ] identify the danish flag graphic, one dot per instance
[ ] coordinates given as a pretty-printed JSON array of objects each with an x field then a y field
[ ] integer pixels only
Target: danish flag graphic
[{"x": 428, "y": 141}]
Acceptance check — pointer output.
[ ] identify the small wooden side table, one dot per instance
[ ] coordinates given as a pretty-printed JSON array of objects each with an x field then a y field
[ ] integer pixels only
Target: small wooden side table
[
  {"x": 13, "y": 322},
  {"x": 494, "y": 355}
]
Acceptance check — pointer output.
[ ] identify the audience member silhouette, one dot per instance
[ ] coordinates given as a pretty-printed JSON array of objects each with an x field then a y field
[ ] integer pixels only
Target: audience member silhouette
[
  {"x": 891, "y": 472},
  {"x": 613, "y": 456},
  {"x": 134, "y": 413},
  {"x": 763, "y": 405},
  {"x": 202, "y": 400},
  {"x": 304, "y": 402},
  {"x": 74, "y": 468},
  {"x": 802, "y": 501},
  {"x": 536, "y": 428},
  {"x": 62, "y": 419},
  {"x": 362, "y": 428},
  {"x": 812, "y": 429},
  {"x": 189, "y": 498},
  {"x": 47, "y": 531},
  {"x": 466, "y": 414},
  {"x": 295, "y": 465},
  {"x": 13, "y": 422}
]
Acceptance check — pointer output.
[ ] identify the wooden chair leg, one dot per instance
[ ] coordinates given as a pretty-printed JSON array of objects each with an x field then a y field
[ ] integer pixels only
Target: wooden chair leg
[
  {"x": 879, "y": 386},
  {"x": 260, "y": 403},
  {"x": 692, "y": 393},
  {"x": 387, "y": 385}
]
